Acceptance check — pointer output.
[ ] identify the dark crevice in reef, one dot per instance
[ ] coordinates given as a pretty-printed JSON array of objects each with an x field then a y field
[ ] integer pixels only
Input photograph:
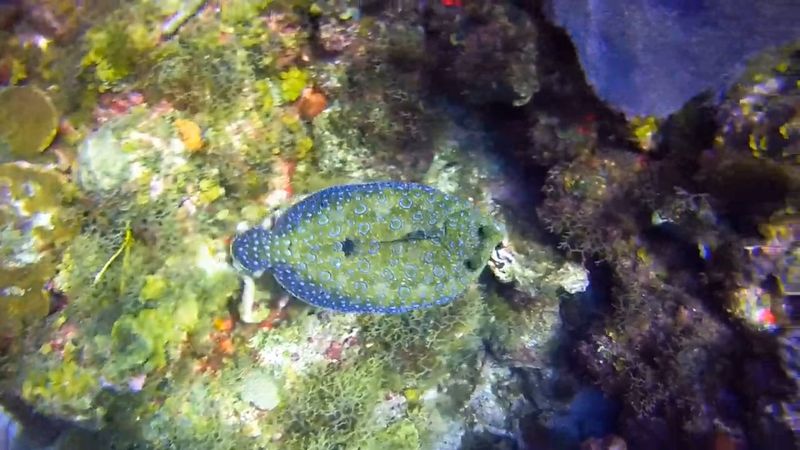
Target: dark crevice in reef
[{"x": 674, "y": 334}]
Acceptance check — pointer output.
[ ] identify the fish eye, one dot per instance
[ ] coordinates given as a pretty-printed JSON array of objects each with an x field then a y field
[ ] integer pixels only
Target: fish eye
[
  {"x": 482, "y": 231},
  {"x": 469, "y": 264}
]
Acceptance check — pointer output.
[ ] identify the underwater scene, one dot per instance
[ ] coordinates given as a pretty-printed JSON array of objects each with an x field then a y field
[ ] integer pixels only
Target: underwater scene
[{"x": 399, "y": 225}]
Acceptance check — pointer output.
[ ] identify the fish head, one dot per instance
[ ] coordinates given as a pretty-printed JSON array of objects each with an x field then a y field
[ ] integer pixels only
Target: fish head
[{"x": 475, "y": 235}]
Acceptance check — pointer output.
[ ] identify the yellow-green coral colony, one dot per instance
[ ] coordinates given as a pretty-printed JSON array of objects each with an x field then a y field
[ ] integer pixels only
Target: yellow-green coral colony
[
  {"x": 28, "y": 120},
  {"x": 381, "y": 247}
]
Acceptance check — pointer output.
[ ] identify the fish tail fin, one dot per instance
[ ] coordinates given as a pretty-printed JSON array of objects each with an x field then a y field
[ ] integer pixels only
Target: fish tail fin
[{"x": 250, "y": 250}]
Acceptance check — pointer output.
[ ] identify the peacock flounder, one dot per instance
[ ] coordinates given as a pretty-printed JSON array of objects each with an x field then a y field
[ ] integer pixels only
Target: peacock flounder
[{"x": 381, "y": 247}]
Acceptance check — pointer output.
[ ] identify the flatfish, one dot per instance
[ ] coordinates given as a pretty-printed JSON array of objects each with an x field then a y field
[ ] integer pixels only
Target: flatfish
[{"x": 381, "y": 247}]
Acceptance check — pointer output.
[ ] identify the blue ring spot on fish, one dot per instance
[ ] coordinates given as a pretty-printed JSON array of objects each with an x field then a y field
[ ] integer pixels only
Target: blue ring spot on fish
[
  {"x": 360, "y": 286},
  {"x": 395, "y": 224},
  {"x": 410, "y": 271},
  {"x": 374, "y": 248}
]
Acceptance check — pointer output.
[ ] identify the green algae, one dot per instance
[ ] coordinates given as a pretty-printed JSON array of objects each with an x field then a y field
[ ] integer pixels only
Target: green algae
[
  {"x": 198, "y": 74},
  {"x": 197, "y": 412},
  {"x": 115, "y": 50},
  {"x": 66, "y": 389},
  {"x": 242, "y": 11},
  {"x": 134, "y": 319},
  {"x": 120, "y": 337},
  {"x": 293, "y": 81},
  {"x": 422, "y": 346},
  {"x": 261, "y": 390},
  {"x": 401, "y": 435},
  {"x": 330, "y": 406},
  {"x": 144, "y": 341}
]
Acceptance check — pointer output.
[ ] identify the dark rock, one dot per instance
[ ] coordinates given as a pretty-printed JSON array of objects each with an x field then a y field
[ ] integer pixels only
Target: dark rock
[{"x": 9, "y": 14}]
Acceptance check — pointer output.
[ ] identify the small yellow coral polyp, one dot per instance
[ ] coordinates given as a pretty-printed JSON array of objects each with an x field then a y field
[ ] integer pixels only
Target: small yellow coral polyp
[
  {"x": 191, "y": 134},
  {"x": 644, "y": 129},
  {"x": 210, "y": 191},
  {"x": 293, "y": 81},
  {"x": 304, "y": 146},
  {"x": 154, "y": 288},
  {"x": 18, "y": 72}
]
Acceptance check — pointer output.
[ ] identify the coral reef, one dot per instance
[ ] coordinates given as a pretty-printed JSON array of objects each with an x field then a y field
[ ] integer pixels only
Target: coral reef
[
  {"x": 198, "y": 74},
  {"x": 644, "y": 293},
  {"x": 422, "y": 344},
  {"x": 683, "y": 233},
  {"x": 37, "y": 224},
  {"x": 158, "y": 174},
  {"x": 29, "y": 122},
  {"x": 330, "y": 407},
  {"x": 596, "y": 202},
  {"x": 115, "y": 50},
  {"x": 489, "y": 53}
]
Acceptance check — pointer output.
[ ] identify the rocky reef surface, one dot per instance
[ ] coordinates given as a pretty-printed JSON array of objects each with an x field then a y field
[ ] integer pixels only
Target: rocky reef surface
[{"x": 644, "y": 295}]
